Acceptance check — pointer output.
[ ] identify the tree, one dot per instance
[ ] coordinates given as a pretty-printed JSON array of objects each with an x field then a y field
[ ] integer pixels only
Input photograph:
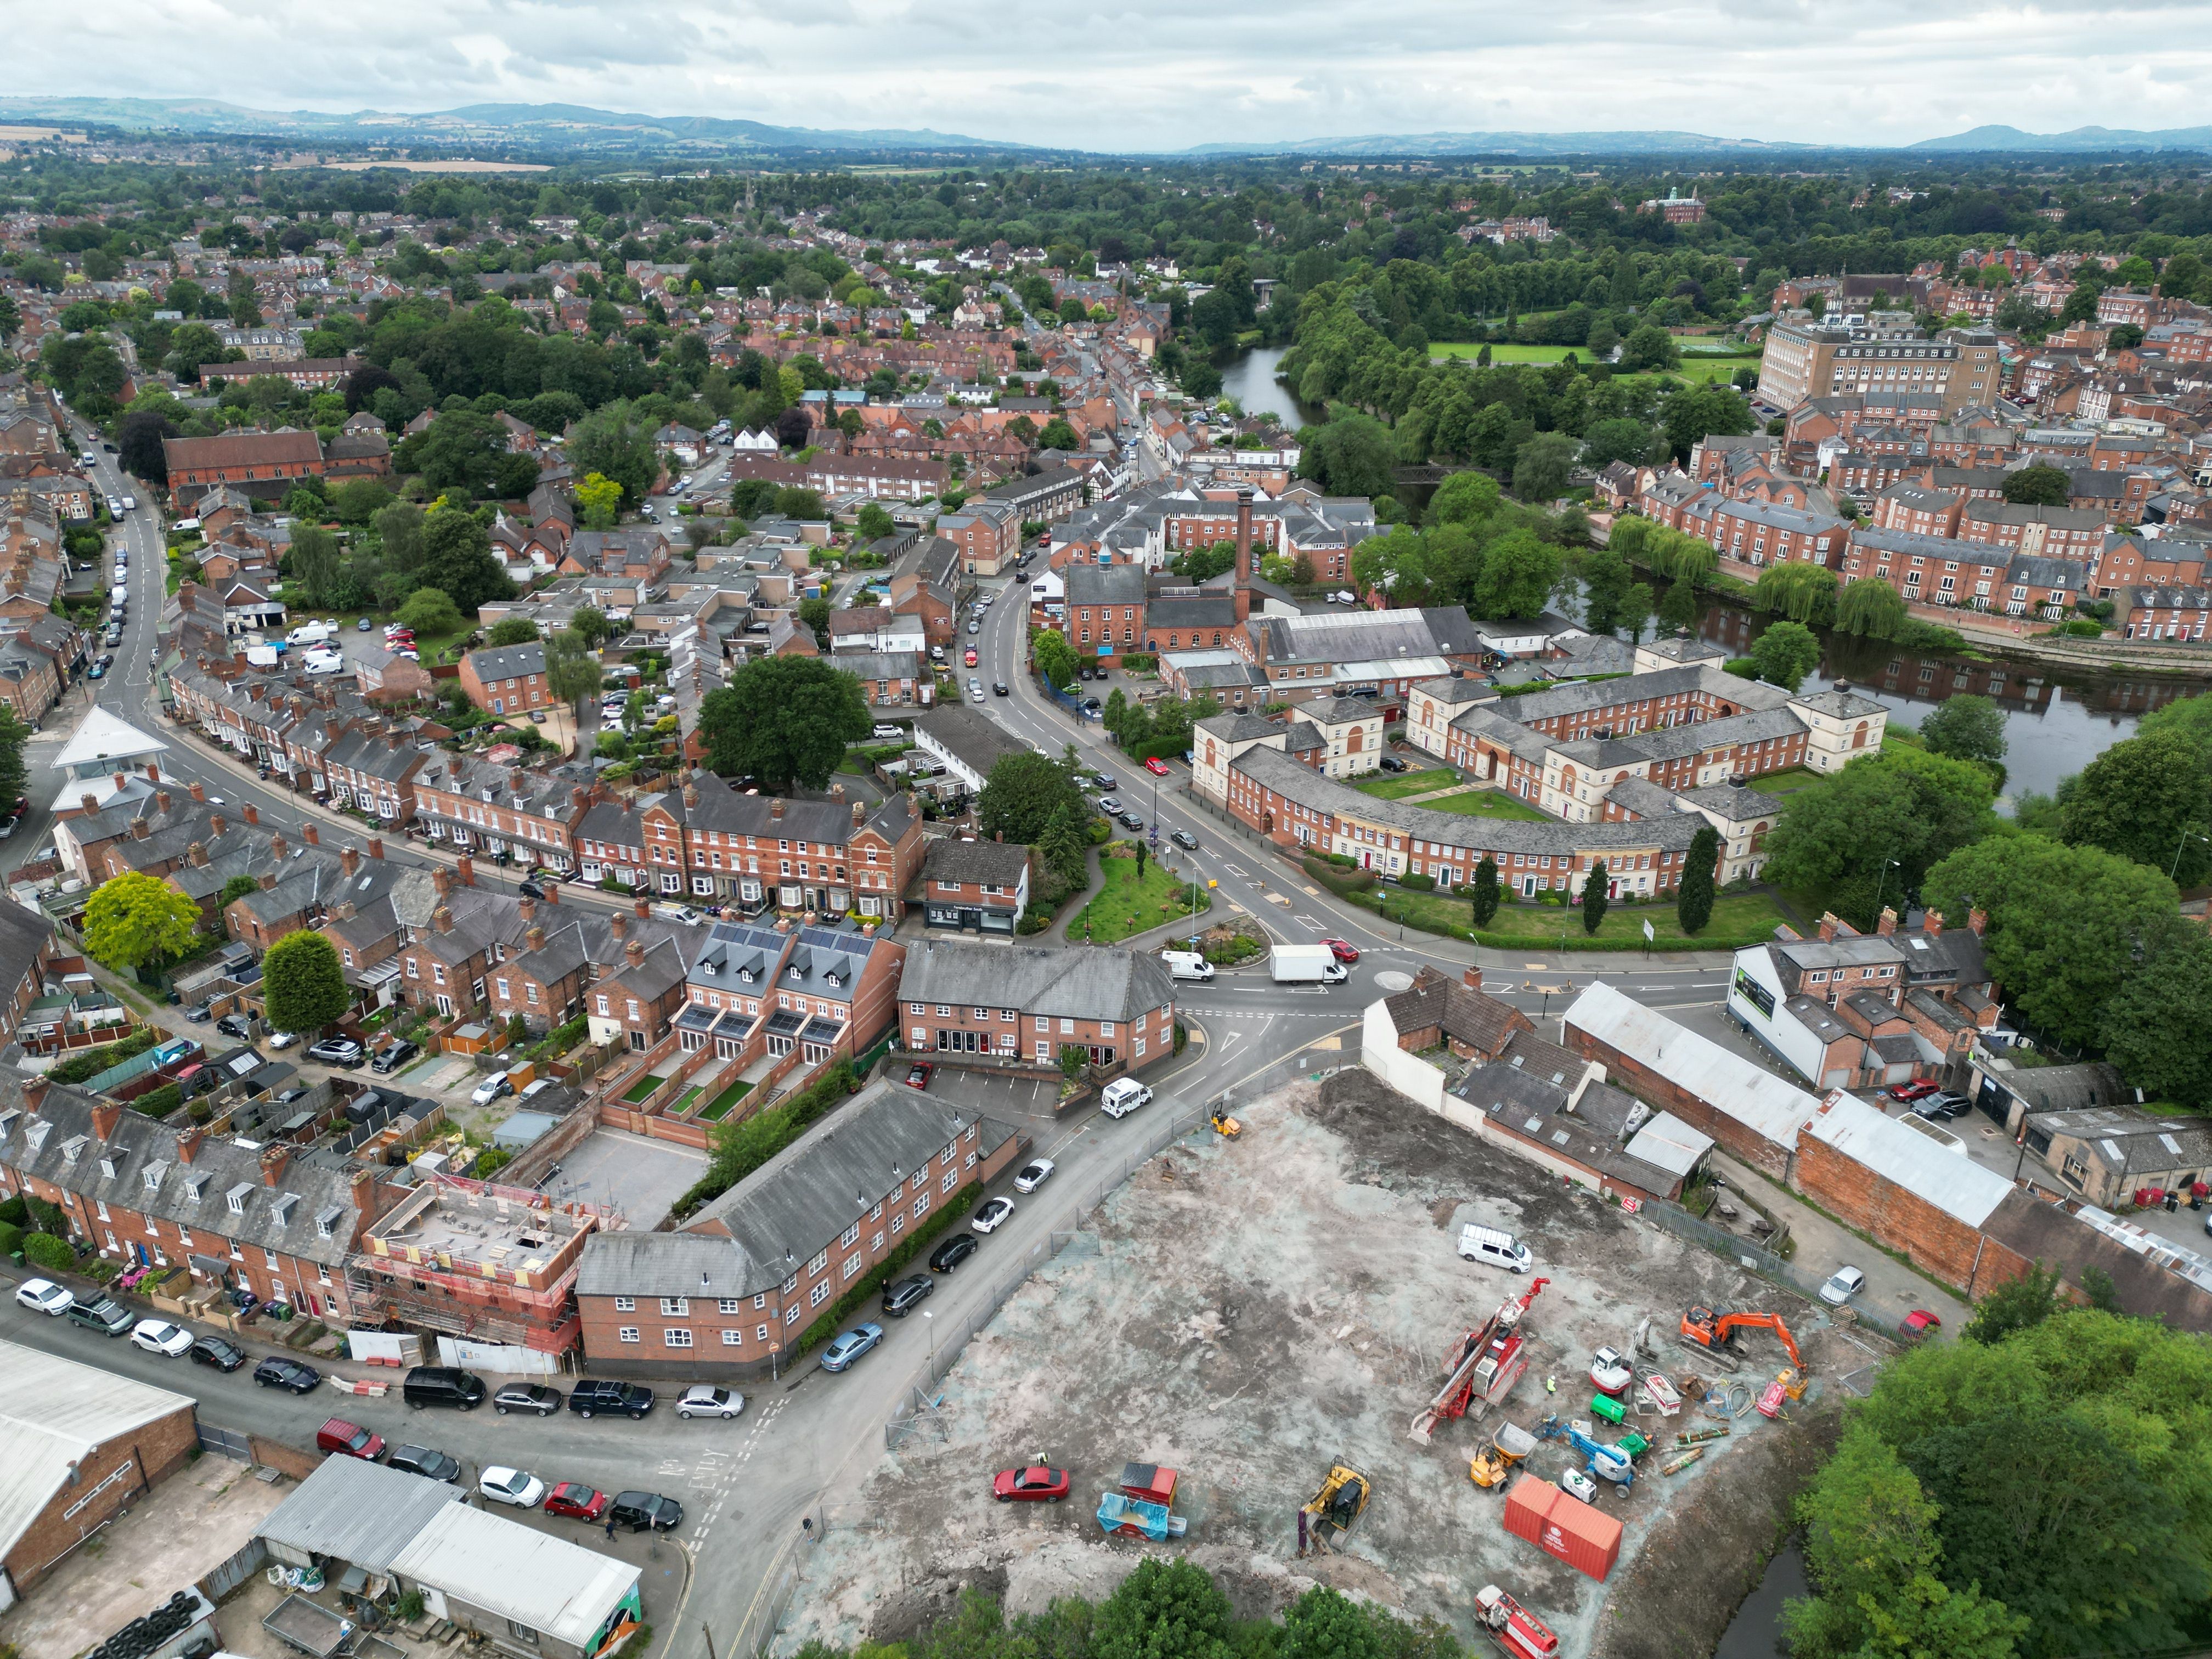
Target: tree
[
  {"x": 1785, "y": 652},
  {"x": 590, "y": 625},
  {"x": 1518, "y": 574},
  {"x": 1697, "y": 412},
  {"x": 1870, "y": 606},
  {"x": 1840, "y": 836},
  {"x": 1606, "y": 581},
  {"x": 2149, "y": 799},
  {"x": 572, "y": 672},
  {"x": 14, "y": 734},
  {"x": 1541, "y": 465},
  {"x": 1482, "y": 899},
  {"x": 784, "y": 719},
  {"x": 1635, "y": 610},
  {"x": 138, "y": 438},
  {"x": 428, "y": 611},
  {"x": 1678, "y": 609},
  {"x": 615, "y": 441},
  {"x": 1163, "y": 1610},
  {"x": 1619, "y": 439},
  {"x": 1025, "y": 794},
  {"x": 2039, "y": 486},
  {"x": 1353, "y": 456},
  {"x": 399, "y": 529},
  {"x": 1802, "y": 592},
  {"x": 1693, "y": 895},
  {"x": 315, "y": 562},
  {"x": 1057, "y": 433},
  {"x": 599, "y": 501},
  {"x": 1594, "y": 896},
  {"x": 305, "y": 988},
  {"x": 457, "y": 556},
  {"x": 874, "y": 523},
  {"x": 1463, "y": 498},
  {"x": 512, "y": 630},
  {"x": 1055, "y": 658},
  {"x": 1869, "y": 1530},
  {"x": 134, "y": 919},
  {"x": 1966, "y": 727},
  {"x": 2065, "y": 922},
  {"x": 1650, "y": 347},
  {"x": 2154, "y": 1027},
  {"x": 814, "y": 615}
]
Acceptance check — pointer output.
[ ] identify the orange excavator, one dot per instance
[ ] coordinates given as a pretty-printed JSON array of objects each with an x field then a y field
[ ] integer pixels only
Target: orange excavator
[{"x": 1715, "y": 1333}]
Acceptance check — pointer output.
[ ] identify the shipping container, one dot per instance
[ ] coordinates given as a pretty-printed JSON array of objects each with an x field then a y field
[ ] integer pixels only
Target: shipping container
[{"x": 1586, "y": 1539}]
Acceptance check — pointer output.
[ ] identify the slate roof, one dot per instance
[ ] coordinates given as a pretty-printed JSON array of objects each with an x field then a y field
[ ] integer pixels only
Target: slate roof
[
  {"x": 1070, "y": 983},
  {"x": 508, "y": 662}
]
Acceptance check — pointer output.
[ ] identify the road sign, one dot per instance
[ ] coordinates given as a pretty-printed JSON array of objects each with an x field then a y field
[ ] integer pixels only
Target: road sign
[{"x": 1647, "y": 934}]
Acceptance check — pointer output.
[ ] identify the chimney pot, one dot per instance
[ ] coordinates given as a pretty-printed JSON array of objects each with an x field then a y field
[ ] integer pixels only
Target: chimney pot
[
  {"x": 534, "y": 937},
  {"x": 252, "y": 813},
  {"x": 217, "y": 824},
  {"x": 375, "y": 848},
  {"x": 199, "y": 792},
  {"x": 273, "y": 1160},
  {"x": 467, "y": 871}
]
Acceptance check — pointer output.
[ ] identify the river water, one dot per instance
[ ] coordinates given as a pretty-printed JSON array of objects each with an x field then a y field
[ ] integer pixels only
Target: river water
[
  {"x": 1250, "y": 379},
  {"x": 1755, "y": 1632}
]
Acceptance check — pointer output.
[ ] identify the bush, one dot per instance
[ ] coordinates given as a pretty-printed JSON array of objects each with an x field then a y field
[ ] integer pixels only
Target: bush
[
  {"x": 91, "y": 1062},
  {"x": 45, "y": 1250},
  {"x": 491, "y": 1161},
  {"x": 943, "y": 1216},
  {"x": 11, "y": 1240},
  {"x": 101, "y": 1271},
  {"x": 160, "y": 1103},
  {"x": 1419, "y": 884},
  {"x": 743, "y": 1147}
]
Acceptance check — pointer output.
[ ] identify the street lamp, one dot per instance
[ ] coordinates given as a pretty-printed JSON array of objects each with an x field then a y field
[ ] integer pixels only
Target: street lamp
[
  {"x": 1888, "y": 865},
  {"x": 929, "y": 1324},
  {"x": 2187, "y": 835}
]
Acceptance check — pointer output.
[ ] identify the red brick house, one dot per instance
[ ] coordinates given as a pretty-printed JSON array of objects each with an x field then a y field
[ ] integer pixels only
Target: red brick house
[
  {"x": 507, "y": 680},
  {"x": 275, "y": 459},
  {"x": 1015, "y": 1002}
]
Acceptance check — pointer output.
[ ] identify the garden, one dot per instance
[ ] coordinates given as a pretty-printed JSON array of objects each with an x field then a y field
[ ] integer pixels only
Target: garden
[
  {"x": 1135, "y": 894},
  {"x": 1396, "y": 786},
  {"x": 1486, "y": 803}
]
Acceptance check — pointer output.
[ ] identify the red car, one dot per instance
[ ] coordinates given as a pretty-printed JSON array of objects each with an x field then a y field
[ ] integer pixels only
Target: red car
[
  {"x": 917, "y": 1075},
  {"x": 971, "y": 656},
  {"x": 1157, "y": 767},
  {"x": 1917, "y": 1089},
  {"x": 1920, "y": 1322},
  {"x": 577, "y": 1501},
  {"x": 1341, "y": 951},
  {"x": 1035, "y": 1484}
]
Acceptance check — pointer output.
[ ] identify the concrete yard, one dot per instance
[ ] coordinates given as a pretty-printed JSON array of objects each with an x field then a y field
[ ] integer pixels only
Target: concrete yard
[
  {"x": 1285, "y": 1301},
  {"x": 642, "y": 1176}
]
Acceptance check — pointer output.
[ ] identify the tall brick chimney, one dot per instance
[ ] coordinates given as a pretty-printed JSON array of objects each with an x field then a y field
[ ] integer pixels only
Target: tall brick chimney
[
  {"x": 1887, "y": 925},
  {"x": 535, "y": 937},
  {"x": 217, "y": 824},
  {"x": 252, "y": 813},
  {"x": 643, "y": 907},
  {"x": 1977, "y": 921},
  {"x": 199, "y": 792},
  {"x": 276, "y": 848},
  {"x": 467, "y": 870},
  {"x": 310, "y": 834},
  {"x": 1931, "y": 923},
  {"x": 161, "y": 799},
  {"x": 527, "y": 909},
  {"x": 441, "y": 919},
  {"x": 349, "y": 859},
  {"x": 1831, "y": 924},
  {"x": 195, "y": 853},
  {"x": 552, "y": 893},
  {"x": 633, "y": 953},
  {"x": 618, "y": 925},
  {"x": 441, "y": 880},
  {"x": 273, "y": 1160},
  {"x": 375, "y": 846},
  {"x": 1472, "y": 978},
  {"x": 34, "y": 1094},
  {"x": 105, "y": 1116},
  {"x": 1244, "y": 554},
  {"x": 188, "y": 1142}
]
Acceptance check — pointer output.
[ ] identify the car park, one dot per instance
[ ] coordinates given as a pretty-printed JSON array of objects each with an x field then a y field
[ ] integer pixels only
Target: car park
[
  {"x": 953, "y": 1251},
  {"x": 160, "y": 1336},
  {"x": 645, "y": 1511},
  {"x": 1183, "y": 839},
  {"x": 577, "y": 1501},
  {"x": 289, "y": 1374},
  {"x": 707, "y": 1399},
  {"x": 919, "y": 1073},
  {"x": 590, "y": 1397},
  {"x": 105, "y": 1314},
  {"x": 903, "y": 1297},
  {"x": 527, "y": 1397},
  {"x": 1034, "y": 1175},
  {"x": 994, "y": 1215},
  {"x": 844, "y": 1350},
  {"x": 501, "y": 1485},
  {"x": 342, "y": 1052},
  {"x": 225, "y": 1357},
  {"x": 1036, "y": 1484},
  {"x": 44, "y": 1296},
  {"x": 1842, "y": 1285}
]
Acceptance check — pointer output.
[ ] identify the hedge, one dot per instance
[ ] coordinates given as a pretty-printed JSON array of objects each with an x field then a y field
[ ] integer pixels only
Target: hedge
[
  {"x": 1338, "y": 882},
  {"x": 26, "y": 1212},
  {"x": 876, "y": 1278},
  {"x": 160, "y": 1103},
  {"x": 46, "y": 1251},
  {"x": 91, "y": 1062},
  {"x": 11, "y": 1240}
]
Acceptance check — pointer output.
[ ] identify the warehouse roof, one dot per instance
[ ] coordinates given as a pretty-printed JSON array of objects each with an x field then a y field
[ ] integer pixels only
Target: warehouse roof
[
  {"x": 545, "y": 1584},
  {"x": 1957, "y": 1186},
  {"x": 363, "y": 1514},
  {"x": 56, "y": 1413},
  {"x": 1736, "y": 1088}
]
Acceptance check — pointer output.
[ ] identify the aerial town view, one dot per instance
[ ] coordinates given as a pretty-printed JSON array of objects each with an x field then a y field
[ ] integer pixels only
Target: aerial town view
[{"x": 1272, "y": 838}]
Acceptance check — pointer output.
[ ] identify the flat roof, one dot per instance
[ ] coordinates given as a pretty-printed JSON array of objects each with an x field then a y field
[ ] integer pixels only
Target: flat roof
[
  {"x": 547, "y": 1583},
  {"x": 363, "y": 1514},
  {"x": 1934, "y": 1173}
]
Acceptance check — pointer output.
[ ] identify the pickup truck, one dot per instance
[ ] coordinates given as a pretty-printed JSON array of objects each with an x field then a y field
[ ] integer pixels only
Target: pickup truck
[{"x": 1305, "y": 965}]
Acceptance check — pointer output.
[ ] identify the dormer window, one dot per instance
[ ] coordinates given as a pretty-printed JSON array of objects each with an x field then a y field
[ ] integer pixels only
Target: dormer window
[
  {"x": 196, "y": 1185},
  {"x": 238, "y": 1195},
  {"x": 286, "y": 1203},
  {"x": 152, "y": 1175},
  {"x": 8, "y": 1121},
  {"x": 106, "y": 1166},
  {"x": 73, "y": 1148}
]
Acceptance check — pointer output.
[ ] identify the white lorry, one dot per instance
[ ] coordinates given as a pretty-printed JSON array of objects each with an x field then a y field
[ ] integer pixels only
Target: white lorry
[{"x": 1305, "y": 965}]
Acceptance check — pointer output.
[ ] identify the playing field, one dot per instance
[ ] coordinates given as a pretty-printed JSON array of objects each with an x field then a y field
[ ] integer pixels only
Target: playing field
[{"x": 1696, "y": 365}]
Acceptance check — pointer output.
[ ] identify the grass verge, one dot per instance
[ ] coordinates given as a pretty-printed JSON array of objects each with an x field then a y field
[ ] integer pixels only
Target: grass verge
[
  {"x": 1128, "y": 902},
  {"x": 1486, "y": 803}
]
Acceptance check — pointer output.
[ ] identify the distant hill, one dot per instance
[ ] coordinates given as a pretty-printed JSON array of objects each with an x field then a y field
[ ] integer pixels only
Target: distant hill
[
  {"x": 1509, "y": 143},
  {"x": 2080, "y": 140},
  {"x": 552, "y": 126}
]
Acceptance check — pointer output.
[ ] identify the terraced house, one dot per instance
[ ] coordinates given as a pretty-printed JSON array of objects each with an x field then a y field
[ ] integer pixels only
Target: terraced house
[
  {"x": 818, "y": 992},
  {"x": 510, "y": 814},
  {"x": 1015, "y": 1002}
]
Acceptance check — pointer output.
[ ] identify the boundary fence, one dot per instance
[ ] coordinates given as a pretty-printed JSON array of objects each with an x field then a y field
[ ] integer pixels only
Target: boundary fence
[{"x": 1758, "y": 1260}]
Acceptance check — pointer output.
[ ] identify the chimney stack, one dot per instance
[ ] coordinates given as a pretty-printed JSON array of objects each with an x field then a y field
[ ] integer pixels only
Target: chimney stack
[
  {"x": 364, "y": 1198},
  {"x": 1244, "y": 554},
  {"x": 634, "y": 951},
  {"x": 441, "y": 919},
  {"x": 91, "y": 803},
  {"x": 106, "y": 1115},
  {"x": 618, "y": 925},
  {"x": 643, "y": 907},
  {"x": 199, "y": 792},
  {"x": 1931, "y": 923},
  {"x": 375, "y": 846},
  {"x": 776, "y": 807},
  {"x": 1977, "y": 921},
  {"x": 1887, "y": 925},
  {"x": 1472, "y": 978},
  {"x": 139, "y": 829},
  {"x": 344, "y": 911},
  {"x": 273, "y": 1160},
  {"x": 552, "y": 893},
  {"x": 161, "y": 799},
  {"x": 310, "y": 834},
  {"x": 152, "y": 773},
  {"x": 527, "y": 909},
  {"x": 276, "y": 848},
  {"x": 252, "y": 813},
  {"x": 467, "y": 871},
  {"x": 534, "y": 937},
  {"x": 692, "y": 796},
  {"x": 1831, "y": 924},
  {"x": 349, "y": 859},
  {"x": 441, "y": 881},
  {"x": 122, "y": 781},
  {"x": 188, "y": 1142},
  {"x": 860, "y": 813},
  {"x": 196, "y": 854},
  {"x": 217, "y": 824},
  {"x": 34, "y": 1094}
]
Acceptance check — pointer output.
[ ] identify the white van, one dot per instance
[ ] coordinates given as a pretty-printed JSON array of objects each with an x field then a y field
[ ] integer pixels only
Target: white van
[
  {"x": 1123, "y": 1096},
  {"x": 1495, "y": 1247},
  {"x": 309, "y": 633},
  {"x": 118, "y": 594},
  {"x": 1186, "y": 964}
]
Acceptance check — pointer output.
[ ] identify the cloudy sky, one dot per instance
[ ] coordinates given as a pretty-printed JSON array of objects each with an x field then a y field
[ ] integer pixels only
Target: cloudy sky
[{"x": 1164, "y": 74}]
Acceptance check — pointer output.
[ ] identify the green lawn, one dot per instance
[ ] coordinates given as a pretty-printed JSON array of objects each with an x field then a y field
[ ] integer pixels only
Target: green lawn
[
  {"x": 1486, "y": 803},
  {"x": 1396, "y": 786},
  {"x": 644, "y": 1086},
  {"x": 1783, "y": 783},
  {"x": 1738, "y": 920},
  {"x": 1696, "y": 365},
  {"x": 1125, "y": 904},
  {"x": 718, "y": 1107},
  {"x": 685, "y": 1099}
]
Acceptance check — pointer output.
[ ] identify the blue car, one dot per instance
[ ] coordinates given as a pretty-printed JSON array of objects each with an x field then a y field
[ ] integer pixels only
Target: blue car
[{"x": 850, "y": 1346}]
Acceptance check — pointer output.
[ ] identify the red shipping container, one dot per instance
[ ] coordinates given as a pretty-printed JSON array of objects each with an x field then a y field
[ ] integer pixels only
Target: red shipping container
[{"x": 1586, "y": 1539}]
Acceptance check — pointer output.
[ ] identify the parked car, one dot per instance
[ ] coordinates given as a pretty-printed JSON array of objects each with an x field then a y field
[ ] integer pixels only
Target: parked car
[
  {"x": 531, "y": 890},
  {"x": 992, "y": 1216},
  {"x": 1942, "y": 1108},
  {"x": 106, "y": 1316},
  {"x": 201, "y": 1014},
  {"x": 1034, "y": 1175},
  {"x": 341, "y": 1052},
  {"x": 901, "y": 1298},
  {"x": 1341, "y": 951},
  {"x": 282, "y": 1040},
  {"x": 289, "y": 1374},
  {"x": 160, "y": 1336},
  {"x": 1156, "y": 766},
  {"x": 1104, "y": 781},
  {"x": 501, "y": 1485},
  {"x": 1919, "y": 1089},
  {"x": 430, "y": 1464},
  {"x": 1035, "y": 1485},
  {"x": 297, "y": 1091},
  {"x": 44, "y": 1296},
  {"x": 345, "y": 1439},
  {"x": 645, "y": 1511},
  {"x": 527, "y": 1397},
  {"x": 952, "y": 1252},
  {"x": 97, "y": 671},
  {"x": 884, "y": 730},
  {"x": 490, "y": 1089},
  {"x": 1842, "y": 1285},
  {"x": 588, "y": 1399},
  {"x": 364, "y": 625},
  {"x": 705, "y": 1400},
  {"x": 1391, "y": 763},
  {"x": 1134, "y": 821},
  {"x": 999, "y": 688},
  {"x": 578, "y": 1501},
  {"x": 1919, "y": 1322},
  {"x": 919, "y": 1073},
  {"x": 846, "y": 1349},
  {"x": 393, "y": 1058},
  {"x": 1184, "y": 839},
  {"x": 235, "y": 1025},
  {"x": 442, "y": 1385},
  {"x": 1110, "y": 804},
  {"x": 225, "y": 1357}
]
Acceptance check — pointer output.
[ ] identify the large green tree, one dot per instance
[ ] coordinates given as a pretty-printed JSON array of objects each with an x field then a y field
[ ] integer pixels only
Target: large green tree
[
  {"x": 617, "y": 442},
  {"x": 14, "y": 734},
  {"x": 1839, "y": 837},
  {"x": 2158, "y": 1025},
  {"x": 1483, "y": 894},
  {"x": 1594, "y": 900},
  {"x": 304, "y": 984},
  {"x": 457, "y": 556},
  {"x": 572, "y": 672},
  {"x": 1784, "y": 653},
  {"x": 1353, "y": 456},
  {"x": 1165, "y": 1609},
  {"x": 1693, "y": 896},
  {"x": 1870, "y": 606},
  {"x": 134, "y": 920},
  {"x": 1518, "y": 574},
  {"x": 1966, "y": 727},
  {"x": 2148, "y": 799},
  {"x": 784, "y": 721},
  {"x": 2037, "y": 486},
  {"x": 1055, "y": 658},
  {"x": 1024, "y": 793},
  {"x": 1540, "y": 467}
]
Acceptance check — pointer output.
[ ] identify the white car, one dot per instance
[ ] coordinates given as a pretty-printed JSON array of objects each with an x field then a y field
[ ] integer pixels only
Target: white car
[
  {"x": 46, "y": 1296},
  {"x": 1034, "y": 1175},
  {"x": 705, "y": 1400},
  {"x": 992, "y": 1216},
  {"x": 490, "y": 1089},
  {"x": 282, "y": 1039},
  {"x": 540, "y": 1087},
  {"x": 516, "y": 1486},
  {"x": 1842, "y": 1285},
  {"x": 160, "y": 1336}
]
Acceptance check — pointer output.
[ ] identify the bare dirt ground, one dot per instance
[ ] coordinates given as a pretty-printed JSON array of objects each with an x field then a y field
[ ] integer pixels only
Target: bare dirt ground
[{"x": 1285, "y": 1301}]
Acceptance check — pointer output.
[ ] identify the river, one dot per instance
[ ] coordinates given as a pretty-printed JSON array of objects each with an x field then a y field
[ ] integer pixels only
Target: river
[
  {"x": 1755, "y": 1632},
  {"x": 1249, "y": 377}
]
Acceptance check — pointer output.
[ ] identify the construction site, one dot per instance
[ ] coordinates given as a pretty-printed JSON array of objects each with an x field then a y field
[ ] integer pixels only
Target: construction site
[{"x": 1273, "y": 1339}]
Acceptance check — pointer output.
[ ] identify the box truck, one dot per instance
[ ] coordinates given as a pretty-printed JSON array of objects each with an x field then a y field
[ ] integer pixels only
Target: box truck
[{"x": 1305, "y": 965}]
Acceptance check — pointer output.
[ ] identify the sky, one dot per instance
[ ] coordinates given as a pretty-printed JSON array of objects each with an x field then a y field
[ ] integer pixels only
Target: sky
[{"x": 1161, "y": 75}]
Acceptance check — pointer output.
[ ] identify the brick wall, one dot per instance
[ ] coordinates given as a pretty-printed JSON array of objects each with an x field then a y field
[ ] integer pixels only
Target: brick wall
[
  {"x": 1738, "y": 1139},
  {"x": 1959, "y": 1255},
  {"x": 148, "y": 1454}
]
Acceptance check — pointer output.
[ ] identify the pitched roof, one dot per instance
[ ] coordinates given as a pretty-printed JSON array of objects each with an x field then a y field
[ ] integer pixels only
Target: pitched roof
[
  {"x": 56, "y": 1413},
  {"x": 1074, "y": 984}
]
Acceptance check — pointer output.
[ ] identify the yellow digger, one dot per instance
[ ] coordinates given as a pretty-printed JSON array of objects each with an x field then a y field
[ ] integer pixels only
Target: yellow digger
[
  {"x": 1338, "y": 1504},
  {"x": 1225, "y": 1126}
]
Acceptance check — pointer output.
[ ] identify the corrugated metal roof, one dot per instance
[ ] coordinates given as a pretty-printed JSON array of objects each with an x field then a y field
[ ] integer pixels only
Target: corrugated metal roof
[
  {"x": 1957, "y": 1186},
  {"x": 356, "y": 1512},
  {"x": 559, "y": 1588},
  {"x": 54, "y": 1415},
  {"x": 1754, "y": 1097},
  {"x": 1667, "y": 1143}
]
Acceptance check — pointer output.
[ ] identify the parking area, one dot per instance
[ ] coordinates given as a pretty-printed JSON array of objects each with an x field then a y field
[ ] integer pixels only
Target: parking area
[
  {"x": 1014, "y": 1100},
  {"x": 641, "y": 1176}
]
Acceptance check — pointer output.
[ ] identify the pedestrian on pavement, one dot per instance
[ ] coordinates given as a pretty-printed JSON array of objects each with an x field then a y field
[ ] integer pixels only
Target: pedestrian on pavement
[
  {"x": 1301, "y": 1534},
  {"x": 610, "y": 1524}
]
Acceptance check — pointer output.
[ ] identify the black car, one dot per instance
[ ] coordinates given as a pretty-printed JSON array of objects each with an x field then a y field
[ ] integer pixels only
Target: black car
[
  {"x": 214, "y": 1351},
  {"x": 288, "y": 1374},
  {"x": 531, "y": 890},
  {"x": 645, "y": 1510},
  {"x": 954, "y": 1251},
  {"x": 1184, "y": 839},
  {"x": 1942, "y": 1108},
  {"x": 286, "y": 1097},
  {"x": 903, "y": 1297},
  {"x": 1391, "y": 763},
  {"x": 1083, "y": 670},
  {"x": 1132, "y": 821},
  {"x": 999, "y": 688},
  {"x": 235, "y": 1025},
  {"x": 425, "y": 1461},
  {"x": 396, "y": 1056},
  {"x": 527, "y": 1397},
  {"x": 588, "y": 1398}
]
